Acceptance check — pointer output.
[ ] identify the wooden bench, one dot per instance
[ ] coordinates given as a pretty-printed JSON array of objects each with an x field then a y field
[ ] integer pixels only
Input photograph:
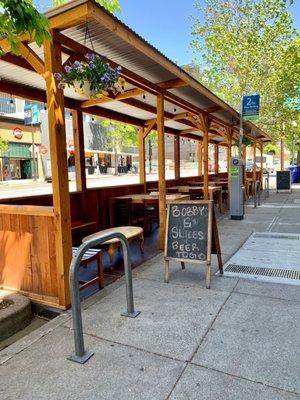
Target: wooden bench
[
  {"x": 130, "y": 232},
  {"x": 88, "y": 257}
]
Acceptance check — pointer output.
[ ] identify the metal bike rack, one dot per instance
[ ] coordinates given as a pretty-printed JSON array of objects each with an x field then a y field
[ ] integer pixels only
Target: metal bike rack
[
  {"x": 257, "y": 194},
  {"x": 267, "y": 186},
  {"x": 81, "y": 356}
]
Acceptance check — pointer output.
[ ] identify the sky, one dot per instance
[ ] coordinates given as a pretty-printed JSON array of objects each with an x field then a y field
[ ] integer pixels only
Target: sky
[{"x": 166, "y": 24}]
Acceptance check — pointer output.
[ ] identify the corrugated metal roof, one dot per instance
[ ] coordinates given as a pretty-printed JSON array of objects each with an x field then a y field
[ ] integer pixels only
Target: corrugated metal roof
[{"x": 107, "y": 42}]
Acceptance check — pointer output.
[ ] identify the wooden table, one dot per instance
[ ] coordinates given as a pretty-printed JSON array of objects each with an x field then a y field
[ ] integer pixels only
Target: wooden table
[
  {"x": 138, "y": 199},
  {"x": 211, "y": 191},
  {"x": 130, "y": 232}
]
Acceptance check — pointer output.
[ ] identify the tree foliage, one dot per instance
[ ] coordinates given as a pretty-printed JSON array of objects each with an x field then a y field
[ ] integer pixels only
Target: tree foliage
[
  {"x": 3, "y": 145},
  {"x": 247, "y": 47},
  {"x": 19, "y": 17}
]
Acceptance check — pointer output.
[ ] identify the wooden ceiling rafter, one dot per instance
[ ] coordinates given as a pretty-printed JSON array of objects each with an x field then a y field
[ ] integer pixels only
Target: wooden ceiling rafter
[
  {"x": 31, "y": 57},
  {"x": 120, "y": 96}
]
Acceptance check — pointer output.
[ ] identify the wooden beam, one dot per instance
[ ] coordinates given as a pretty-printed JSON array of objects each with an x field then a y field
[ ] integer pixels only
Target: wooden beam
[
  {"x": 32, "y": 58},
  {"x": 59, "y": 169},
  {"x": 214, "y": 109},
  {"x": 205, "y": 126},
  {"x": 142, "y": 158},
  {"x": 176, "y": 157},
  {"x": 70, "y": 15},
  {"x": 254, "y": 162},
  {"x": 15, "y": 60},
  {"x": 78, "y": 137},
  {"x": 173, "y": 83},
  {"x": 200, "y": 158},
  {"x": 261, "y": 165},
  {"x": 216, "y": 158},
  {"x": 161, "y": 170},
  {"x": 120, "y": 96},
  {"x": 148, "y": 128}
]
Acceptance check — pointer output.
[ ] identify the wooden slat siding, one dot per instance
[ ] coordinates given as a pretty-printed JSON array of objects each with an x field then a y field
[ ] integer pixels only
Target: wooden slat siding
[{"x": 28, "y": 254}]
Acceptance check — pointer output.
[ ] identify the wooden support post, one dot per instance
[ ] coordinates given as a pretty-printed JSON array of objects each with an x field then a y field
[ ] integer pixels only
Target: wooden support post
[
  {"x": 59, "y": 169},
  {"x": 281, "y": 153},
  {"x": 78, "y": 137},
  {"x": 177, "y": 157},
  {"x": 261, "y": 164},
  {"x": 254, "y": 162},
  {"x": 216, "y": 169},
  {"x": 142, "y": 158},
  {"x": 161, "y": 170},
  {"x": 205, "y": 156},
  {"x": 244, "y": 154},
  {"x": 200, "y": 158}
]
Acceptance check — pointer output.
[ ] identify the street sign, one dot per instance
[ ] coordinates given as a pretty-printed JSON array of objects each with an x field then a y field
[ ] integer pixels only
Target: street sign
[
  {"x": 36, "y": 149},
  {"x": 18, "y": 133},
  {"x": 32, "y": 114},
  {"x": 250, "y": 109}
]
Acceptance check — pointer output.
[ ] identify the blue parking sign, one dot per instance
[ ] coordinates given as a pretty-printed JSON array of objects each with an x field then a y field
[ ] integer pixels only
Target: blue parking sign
[{"x": 250, "y": 107}]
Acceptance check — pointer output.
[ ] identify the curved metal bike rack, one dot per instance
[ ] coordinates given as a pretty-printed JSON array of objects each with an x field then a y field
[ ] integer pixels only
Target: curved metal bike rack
[{"x": 81, "y": 356}]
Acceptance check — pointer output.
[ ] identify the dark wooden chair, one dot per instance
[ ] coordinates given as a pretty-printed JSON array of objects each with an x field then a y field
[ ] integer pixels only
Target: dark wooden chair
[
  {"x": 126, "y": 214},
  {"x": 88, "y": 257},
  {"x": 151, "y": 213},
  {"x": 172, "y": 190},
  {"x": 196, "y": 194}
]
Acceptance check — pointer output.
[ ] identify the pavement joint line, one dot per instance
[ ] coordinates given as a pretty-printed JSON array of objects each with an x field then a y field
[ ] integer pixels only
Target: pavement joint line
[
  {"x": 93, "y": 335},
  {"x": 201, "y": 341},
  {"x": 243, "y": 378},
  {"x": 267, "y": 297}
]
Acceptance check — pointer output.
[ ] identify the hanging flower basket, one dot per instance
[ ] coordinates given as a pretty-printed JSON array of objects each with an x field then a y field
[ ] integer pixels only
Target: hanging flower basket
[{"x": 93, "y": 78}]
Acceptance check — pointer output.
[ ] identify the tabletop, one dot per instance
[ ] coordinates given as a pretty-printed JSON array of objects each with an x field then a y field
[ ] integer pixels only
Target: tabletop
[{"x": 138, "y": 198}]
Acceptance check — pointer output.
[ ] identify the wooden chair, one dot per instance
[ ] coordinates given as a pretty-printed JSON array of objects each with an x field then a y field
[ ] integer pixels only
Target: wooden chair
[
  {"x": 125, "y": 214},
  {"x": 88, "y": 257},
  {"x": 196, "y": 194},
  {"x": 151, "y": 213},
  {"x": 172, "y": 190}
]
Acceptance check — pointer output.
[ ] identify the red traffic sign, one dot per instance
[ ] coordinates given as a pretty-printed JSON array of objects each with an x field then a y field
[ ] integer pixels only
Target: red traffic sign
[
  {"x": 43, "y": 149},
  {"x": 18, "y": 133}
]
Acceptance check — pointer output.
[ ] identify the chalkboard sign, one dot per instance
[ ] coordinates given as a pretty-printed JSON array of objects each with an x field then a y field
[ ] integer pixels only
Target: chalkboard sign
[
  {"x": 191, "y": 235},
  {"x": 283, "y": 180}
]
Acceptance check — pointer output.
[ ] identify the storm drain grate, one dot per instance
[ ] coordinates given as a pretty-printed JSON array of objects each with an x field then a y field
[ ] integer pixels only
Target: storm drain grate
[{"x": 272, "y": 272}]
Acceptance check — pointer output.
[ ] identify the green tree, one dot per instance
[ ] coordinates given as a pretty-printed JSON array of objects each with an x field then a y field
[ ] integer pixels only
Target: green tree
[
  {"x": 119, "y": 136},
  {"x": 3, "y": 145},
  {"x": 242, "y": 48}
]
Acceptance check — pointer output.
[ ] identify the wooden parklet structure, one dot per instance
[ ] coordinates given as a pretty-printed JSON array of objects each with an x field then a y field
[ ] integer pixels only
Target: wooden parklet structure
[{"x": 35, "y": 249}]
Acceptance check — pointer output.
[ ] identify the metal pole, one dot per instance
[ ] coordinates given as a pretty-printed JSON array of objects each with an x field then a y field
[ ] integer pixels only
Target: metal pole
[{"x": 81, "y": 356}]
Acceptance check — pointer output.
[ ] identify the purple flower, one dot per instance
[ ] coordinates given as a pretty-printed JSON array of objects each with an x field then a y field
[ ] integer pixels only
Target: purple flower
[
  {"x": 92, "y": 66},
  {"x": 68, "y": 68},
  {"x": 57, "y": 76},
  {"x": 76, "y": 65},
  {"x": 90, "y": 56},
  {"x": 119, "y": 68}
]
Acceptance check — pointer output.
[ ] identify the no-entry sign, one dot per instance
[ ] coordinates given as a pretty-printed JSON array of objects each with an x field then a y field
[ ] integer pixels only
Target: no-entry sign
[
  {"x": 43, "y": 149},
  {"x": 18, "y": 133}
]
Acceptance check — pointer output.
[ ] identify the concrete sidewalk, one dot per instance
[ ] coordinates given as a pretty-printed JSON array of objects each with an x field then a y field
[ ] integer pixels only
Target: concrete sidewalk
[{"x": 238, "y": 340}]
